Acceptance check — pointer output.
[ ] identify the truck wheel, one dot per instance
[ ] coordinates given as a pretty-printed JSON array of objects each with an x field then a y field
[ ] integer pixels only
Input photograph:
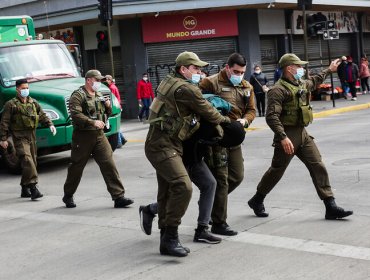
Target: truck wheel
[
  {"x": 113, "y": 141},
  {"x": 10, "y": 159}
]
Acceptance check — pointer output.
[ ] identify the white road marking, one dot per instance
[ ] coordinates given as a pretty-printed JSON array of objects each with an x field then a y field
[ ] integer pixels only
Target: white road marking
[
  {"x": 296, "y": 244},
  {"x": 303, "y": 245}
]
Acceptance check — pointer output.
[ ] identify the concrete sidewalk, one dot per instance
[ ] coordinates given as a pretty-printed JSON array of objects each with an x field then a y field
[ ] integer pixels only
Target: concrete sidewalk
[{"x": 325, "y": 108}]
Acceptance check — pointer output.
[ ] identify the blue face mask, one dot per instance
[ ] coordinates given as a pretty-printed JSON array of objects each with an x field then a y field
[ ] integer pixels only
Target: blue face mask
[
  {"x": 235, "y": 79},
  {"x": 25, "y": 92},
  {"x": 195, "y": 78},
  {"x": 299, "y": 74}
]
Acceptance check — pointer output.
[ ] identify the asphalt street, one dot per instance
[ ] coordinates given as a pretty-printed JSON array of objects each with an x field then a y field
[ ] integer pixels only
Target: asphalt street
[{"x": 44, "y": 240}]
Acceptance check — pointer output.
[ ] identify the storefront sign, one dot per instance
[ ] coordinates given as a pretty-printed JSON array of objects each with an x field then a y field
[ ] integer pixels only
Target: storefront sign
[
  {"x": 189, "y": 26},
  {"x": 344, "y": 22}
]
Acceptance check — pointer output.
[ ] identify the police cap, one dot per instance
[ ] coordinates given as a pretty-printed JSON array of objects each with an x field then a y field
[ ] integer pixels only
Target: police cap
[
  {"x": 290, "y": 59},
  {"x": 234, "y": 134},
  {"x": 94, "y": 74},
  {"x": 189, "y": 58}
]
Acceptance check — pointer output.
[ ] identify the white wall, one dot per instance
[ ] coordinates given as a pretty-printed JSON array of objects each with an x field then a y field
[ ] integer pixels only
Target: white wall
[
  {"x": 271, "y": 21},
  {"x": 91, "y": 42}
]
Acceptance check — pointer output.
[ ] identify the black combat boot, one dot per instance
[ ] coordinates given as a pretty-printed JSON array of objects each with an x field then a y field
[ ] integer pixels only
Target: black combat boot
[
  {"x": 334, "y": 212},
  {"x": 25, "y": 191},
  {"x": 223, "y": 229},
  {"x": 122, "y": 202},
  {"x": 170, "y": 244},
  {"x": 162, "y": 234},
  {"x": 256, "y": 203},
  {"x": 35, "y": 193},
  {"x": 69, "y": 202}
]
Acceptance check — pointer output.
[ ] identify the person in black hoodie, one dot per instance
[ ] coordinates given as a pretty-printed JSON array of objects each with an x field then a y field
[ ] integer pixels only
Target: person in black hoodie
[
  {"x": 259, "y": 82},
  {"x": 352, "y": 75}
]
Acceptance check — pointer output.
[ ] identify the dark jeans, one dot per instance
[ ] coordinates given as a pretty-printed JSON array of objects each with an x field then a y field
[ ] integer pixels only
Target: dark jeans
[
  {"x": 365, "y": 84},
  {"x": 352, "y": 87},
  {"x": 260, "y": 98},
  {"x": 145, "y": 108},
  {"x": 202, "y": 177}
]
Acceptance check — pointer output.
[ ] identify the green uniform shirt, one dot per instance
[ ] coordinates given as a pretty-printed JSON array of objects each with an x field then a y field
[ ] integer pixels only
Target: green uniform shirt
[
  {"x": 189, "y": 99},
  {"x": 7, "y": 120},
  {"x": 86, "y": 109},
  {"x": 276, "y": 96}
]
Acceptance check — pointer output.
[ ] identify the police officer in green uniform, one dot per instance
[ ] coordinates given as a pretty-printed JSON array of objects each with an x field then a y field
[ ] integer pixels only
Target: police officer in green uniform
[
  {"x": 288, "y": 113},
  {"x": 20, "y": 119},
  {"x": 227, "y": 164},
  {"x": 173, "y": 118},
  {"x": 89, "y": 112}
]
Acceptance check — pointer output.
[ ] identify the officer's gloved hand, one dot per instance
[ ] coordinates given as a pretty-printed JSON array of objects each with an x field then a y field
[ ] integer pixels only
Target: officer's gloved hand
[{"x": 53, "y": 130}]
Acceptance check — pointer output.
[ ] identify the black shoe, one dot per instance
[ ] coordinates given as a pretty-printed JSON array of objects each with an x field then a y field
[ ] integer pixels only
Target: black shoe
[
  {"x": 223, "y": 229},
  {"x": 256, "y": 203},
  {"x": 69, "y": 202},
  {"x": 333, "y": 212},
  {"x": 202, "y": 234},
  {"x": 122, "y": 202},
  {"x": 170, "y": 244},
  {"x": 25, "y": 192},
  {"x": 35, "y": 193},
  {"x": 185, "y": 248},
  {"x": 146, "y": 219}
]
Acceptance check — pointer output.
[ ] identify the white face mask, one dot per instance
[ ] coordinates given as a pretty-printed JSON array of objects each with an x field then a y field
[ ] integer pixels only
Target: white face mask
[
  {"x": 25, "y": 92},
  {"x": 96, "y": 86},
  {"x": 145, "y": 78},
  {"x": 257, "y": 72}
]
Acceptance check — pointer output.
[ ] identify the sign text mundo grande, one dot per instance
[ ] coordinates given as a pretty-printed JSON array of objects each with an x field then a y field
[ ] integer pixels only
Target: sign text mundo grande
[{"x": 192, "y": 33}]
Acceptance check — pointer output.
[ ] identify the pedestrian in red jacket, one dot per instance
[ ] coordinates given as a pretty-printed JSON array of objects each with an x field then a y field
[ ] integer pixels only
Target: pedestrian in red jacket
[
  {"x": 364, "y": 75},
  {"x": 144, "y": 95},
  {"x": 113, "y": 88}
]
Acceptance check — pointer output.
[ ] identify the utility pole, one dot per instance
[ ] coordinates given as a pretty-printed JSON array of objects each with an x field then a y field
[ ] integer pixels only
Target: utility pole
[
  {"x": 110, "y": 48},
  {"x": 105, "y": 8}
]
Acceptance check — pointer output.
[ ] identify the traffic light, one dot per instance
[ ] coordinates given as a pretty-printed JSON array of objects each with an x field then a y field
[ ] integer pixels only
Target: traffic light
[
  {"x": 307, "y": 4},
  {"x": 311, "y": 26},
  {"x": 315, "y": 23},
  {"x": 102, "y": 38},
  {"x": 105, "y": 11}
]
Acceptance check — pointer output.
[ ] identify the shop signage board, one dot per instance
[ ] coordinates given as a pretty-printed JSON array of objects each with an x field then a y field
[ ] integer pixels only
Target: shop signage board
[{"x": 189, "y": 26}]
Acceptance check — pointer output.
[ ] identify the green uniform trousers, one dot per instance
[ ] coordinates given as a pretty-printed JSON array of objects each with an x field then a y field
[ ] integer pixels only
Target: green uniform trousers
[
  {"x": 174, "y": 187},
  {"x": 84, "y": 144},
  {"x": 26, "y": 150},
  {"x": 306, "y": 150},
  {"x": 228, "y": 178}
]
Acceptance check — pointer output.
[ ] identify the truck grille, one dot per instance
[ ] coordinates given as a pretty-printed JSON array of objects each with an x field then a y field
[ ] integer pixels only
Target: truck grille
[{"x": 66, "y": 99}]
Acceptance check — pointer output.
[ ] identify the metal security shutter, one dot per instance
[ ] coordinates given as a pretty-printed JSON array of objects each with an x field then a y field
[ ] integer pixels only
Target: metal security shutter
[
  {"x": 104, "y": 66},
  {"x": 367, "y": 44},
  {"x": 269, "y": 56},
  {"x": 161, "y": 56}
]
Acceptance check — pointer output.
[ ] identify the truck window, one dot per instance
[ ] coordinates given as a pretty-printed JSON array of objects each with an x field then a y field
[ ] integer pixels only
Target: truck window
[{"x": 36, "y": 62}]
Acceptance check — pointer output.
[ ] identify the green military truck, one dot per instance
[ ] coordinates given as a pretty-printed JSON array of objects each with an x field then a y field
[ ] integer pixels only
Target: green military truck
[{"x": 53, "y": 75}]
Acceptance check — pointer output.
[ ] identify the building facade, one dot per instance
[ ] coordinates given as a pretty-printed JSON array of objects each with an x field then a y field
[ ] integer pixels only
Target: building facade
[{"x": 147, "y": 35}]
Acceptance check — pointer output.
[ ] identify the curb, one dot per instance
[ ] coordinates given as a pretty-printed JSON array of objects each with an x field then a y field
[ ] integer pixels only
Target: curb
[{"x": 341, "y": 110}]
